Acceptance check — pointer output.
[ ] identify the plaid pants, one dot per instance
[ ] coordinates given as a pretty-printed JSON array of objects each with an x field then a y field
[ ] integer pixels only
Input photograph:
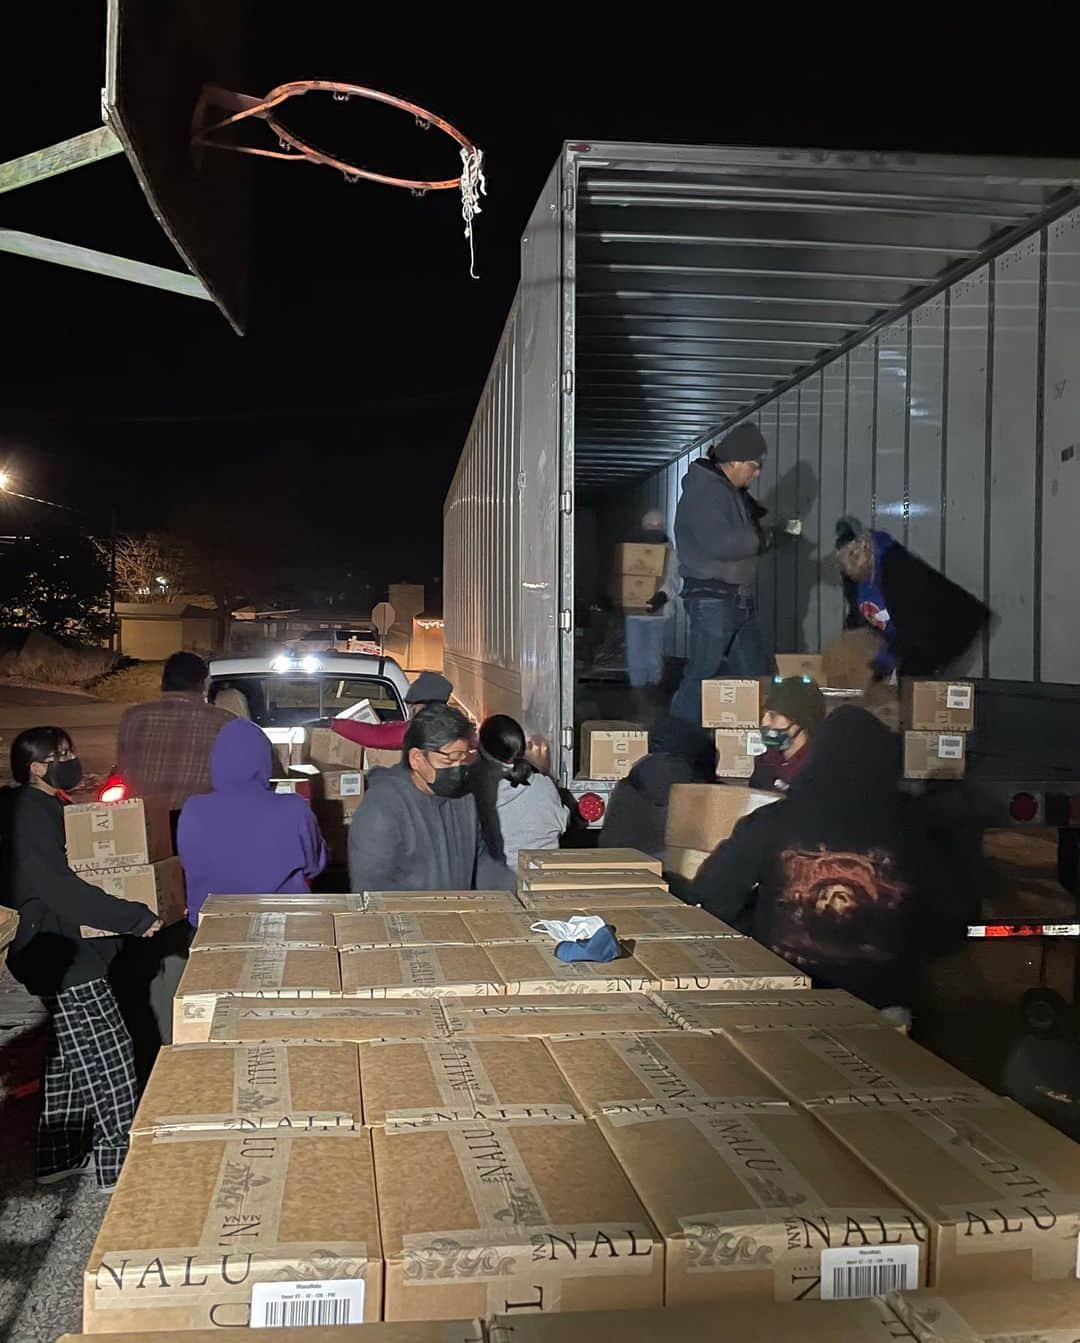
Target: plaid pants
[{"x": 90, "y": 1089}]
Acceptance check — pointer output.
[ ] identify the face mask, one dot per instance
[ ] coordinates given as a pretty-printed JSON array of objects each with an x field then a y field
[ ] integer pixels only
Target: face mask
[
  {"x": 776, "y": 738},
  {"x": 450, "y": 782},
  {"x": 65, "y": 775}
]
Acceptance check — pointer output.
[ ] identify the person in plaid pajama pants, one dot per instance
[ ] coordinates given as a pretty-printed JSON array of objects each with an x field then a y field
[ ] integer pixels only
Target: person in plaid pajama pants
[{"x": 90, "y": 1088}]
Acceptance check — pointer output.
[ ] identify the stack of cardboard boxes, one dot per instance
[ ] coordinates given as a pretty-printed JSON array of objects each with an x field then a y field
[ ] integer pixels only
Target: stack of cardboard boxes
[
  {"x": 126, "y": 848},
  {"x": 937, "y": 717},
  {"x": 403, "y": 1107},
  {"x": 639, "y": 570}
]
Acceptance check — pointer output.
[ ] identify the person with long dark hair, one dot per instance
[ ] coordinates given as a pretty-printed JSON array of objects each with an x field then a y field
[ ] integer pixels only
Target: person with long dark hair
[
  {"x": 519, "y": 807},
  {"x": 90, "y": 1084}
]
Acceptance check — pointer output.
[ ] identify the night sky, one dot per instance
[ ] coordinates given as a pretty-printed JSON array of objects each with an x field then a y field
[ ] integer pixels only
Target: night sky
[{"x": 368, "y": 343}]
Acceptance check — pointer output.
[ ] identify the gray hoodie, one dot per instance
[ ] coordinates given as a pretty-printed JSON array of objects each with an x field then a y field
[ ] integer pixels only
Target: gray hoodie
[
  {"x": 401, "y": 839},
  {"x": 715, "y": 536}
]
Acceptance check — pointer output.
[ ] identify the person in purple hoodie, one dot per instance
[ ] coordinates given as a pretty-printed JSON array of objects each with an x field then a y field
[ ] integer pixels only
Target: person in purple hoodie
[{"x": 241, "y": 838}]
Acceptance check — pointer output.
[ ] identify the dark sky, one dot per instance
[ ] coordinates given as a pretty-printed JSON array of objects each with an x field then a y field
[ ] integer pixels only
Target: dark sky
[{"x": 368, "y": 343}]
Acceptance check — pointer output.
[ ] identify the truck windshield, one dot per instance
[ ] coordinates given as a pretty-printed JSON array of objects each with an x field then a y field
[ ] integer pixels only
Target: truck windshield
[{"x": 292, "y": 701}]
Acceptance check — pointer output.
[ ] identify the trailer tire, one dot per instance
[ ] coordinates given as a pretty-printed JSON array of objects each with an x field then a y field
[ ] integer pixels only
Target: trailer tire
[{"x": 1043, "y": 1012}]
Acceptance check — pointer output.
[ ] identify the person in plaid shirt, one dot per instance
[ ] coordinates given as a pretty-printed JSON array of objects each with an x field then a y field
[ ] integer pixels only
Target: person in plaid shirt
[
  {"x": 163, "y": 754},
  {"x": 89, "y": 1086}
]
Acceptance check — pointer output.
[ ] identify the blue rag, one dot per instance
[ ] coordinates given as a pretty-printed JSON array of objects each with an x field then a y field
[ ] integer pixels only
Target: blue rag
[{"x": 602, "y": 946}]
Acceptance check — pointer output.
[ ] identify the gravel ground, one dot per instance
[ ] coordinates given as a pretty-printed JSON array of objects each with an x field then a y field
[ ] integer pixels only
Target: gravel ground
[{"x": 45, "y": 1234}]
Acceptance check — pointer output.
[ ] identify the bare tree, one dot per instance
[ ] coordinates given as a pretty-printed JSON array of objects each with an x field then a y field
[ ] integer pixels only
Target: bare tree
[{"x": 148, "y": 568}]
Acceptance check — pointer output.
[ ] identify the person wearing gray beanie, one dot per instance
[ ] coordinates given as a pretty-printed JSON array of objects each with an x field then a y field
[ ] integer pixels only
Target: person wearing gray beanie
[{"x": 718, "y": 539}]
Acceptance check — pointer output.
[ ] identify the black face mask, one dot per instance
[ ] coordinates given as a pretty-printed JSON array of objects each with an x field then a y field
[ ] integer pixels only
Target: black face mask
[
  {"x": 65, "y": 775},
  {"x": 451, "y": 782}
]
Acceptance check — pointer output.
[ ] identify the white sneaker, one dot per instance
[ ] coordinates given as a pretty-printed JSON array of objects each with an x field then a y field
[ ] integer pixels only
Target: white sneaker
[{"x": 54, "y": 1177}]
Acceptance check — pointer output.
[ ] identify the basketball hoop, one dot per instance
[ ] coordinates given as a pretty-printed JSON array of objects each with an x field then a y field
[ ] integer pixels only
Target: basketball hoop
[{"x": 470, "y": 182}]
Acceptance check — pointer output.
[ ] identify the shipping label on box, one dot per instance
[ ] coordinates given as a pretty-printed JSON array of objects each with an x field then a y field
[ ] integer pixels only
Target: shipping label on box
[
  {"x": 938, "y": 706},
  {"x": 328, "y": 749},
  {"x": 731, "y": 704},
  {"x": 635, "y": 558},
  {"x": 737, "y": 751},
  {"x": 934, "y": 755},
  {"x": 116, "y": 834},
  {"x": 609, "y": 750},
  {"x": 341, "y": 785},
  {"x": 158, "y": 886},
  {"x": 169, "y": 1253},
  {"x": 532, "y": 1217}
]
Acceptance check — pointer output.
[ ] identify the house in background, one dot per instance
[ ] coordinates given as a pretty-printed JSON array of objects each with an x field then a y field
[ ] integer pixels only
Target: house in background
[{"x": 152, "y": 631}]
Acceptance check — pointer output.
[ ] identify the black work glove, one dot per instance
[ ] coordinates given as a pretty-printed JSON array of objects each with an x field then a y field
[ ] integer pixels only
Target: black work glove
[{"x": 656, "y": 601}]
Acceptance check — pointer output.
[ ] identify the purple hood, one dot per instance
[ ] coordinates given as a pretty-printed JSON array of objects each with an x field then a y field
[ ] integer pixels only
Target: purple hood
[{"x": 243, "y": 839}]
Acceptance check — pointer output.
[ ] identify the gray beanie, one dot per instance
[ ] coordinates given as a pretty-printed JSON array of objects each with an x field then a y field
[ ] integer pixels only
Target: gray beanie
[{"x": 743, "y": 444}]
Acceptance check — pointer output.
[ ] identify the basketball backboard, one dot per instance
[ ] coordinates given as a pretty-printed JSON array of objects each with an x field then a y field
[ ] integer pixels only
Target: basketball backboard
[{"x": 159, "y": 56}]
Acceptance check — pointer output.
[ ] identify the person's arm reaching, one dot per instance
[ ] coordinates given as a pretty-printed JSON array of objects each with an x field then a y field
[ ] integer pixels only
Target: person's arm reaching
[
  {"x": 373, "y": 736},
  {"x": 726, "y": 882}
]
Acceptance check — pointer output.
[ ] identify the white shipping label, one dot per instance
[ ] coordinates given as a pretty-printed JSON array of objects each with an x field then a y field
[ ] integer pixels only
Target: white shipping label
[
  {"x": 754, "y": 744},
  {"x": 871, "y": 1270},
  {"x": 298, "y": 1305},
  {"x": 958, "y": 697},
  {"x": 950, "y": 747},
  {"x": 351, "y": 785}
]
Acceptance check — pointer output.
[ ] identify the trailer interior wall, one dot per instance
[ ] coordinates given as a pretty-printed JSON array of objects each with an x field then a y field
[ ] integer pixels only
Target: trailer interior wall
[{"x": 957, "y": 429}]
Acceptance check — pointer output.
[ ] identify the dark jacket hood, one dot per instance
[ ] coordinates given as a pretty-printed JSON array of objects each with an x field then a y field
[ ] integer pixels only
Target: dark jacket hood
[
  {"x": 241, "y": 758},
  {"x": 854, "y": 757}
]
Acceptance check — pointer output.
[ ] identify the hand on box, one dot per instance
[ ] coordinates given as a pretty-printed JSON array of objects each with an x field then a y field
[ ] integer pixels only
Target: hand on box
[{"x": 155, "y": 927}]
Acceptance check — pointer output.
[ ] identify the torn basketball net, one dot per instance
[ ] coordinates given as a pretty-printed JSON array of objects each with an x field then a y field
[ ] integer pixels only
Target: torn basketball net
[{"x": 292, "y": 148}]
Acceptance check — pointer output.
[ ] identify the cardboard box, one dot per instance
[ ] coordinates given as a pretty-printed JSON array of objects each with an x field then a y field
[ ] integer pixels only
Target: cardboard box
[
  {"x": 590, "y": 879},
  {"x": 340, "y": 785},
  {"x": 676, "y": 1072},
  {"x": 590, "y": 902},
  {"x": 438, "y": 1331},
  {"x": 288, "y": 755},
  {"x": 998, "y": 1188},
  {"x": 265, "y": 929},
  {"x": 847, "y": 660},
  {"x": 377, "y": 759},
  {"x": 418, "y": 972},
  {"x": 245, "y": 1020},
  {"x": 934, "y": 755},
  {"x": 632, "y": 591},
  {"x": 329, "y": 750},
  {"x": 160, "y": 886},
  {"x": 421, "y": 1084},
  {"x": 545, "y": 1015},
  {"x": 525, "y": 968},
  {"x": 737, "y": 1321},
  {"x": 1042, "y": 1312},
  {"x": 609, "y": 750},
  {"x": 358, "y": 931},
  {"x": 291, "y": 1088},
  {"x": 633, "y": 557},
  {"x": 116, "y": 834},
  {"x": 736, "y": 963},
  {"x": 759, "y": 1201},
  {"x": 764, "y": 1010},
  {"x": 254, "y": 972},
  {"x": 684, "y": 863},
  {"x": 629, "y": 925},
  {"x": 565, "y": 860},
  {"x": 208, "y": 1232},
  {"x": 938, "y": 706},
  {"x": 702, "y": 815},
  {"x": 436, "y": 902},
  {"x": 486, "y": 1218},
  {"x": 737, "y": 750},
  {"x": 801, "y": 664},
  {"x": 731, "y": 704},
  {"x": 301, "y": 903},
  {"x": 830, "y": 1066}
]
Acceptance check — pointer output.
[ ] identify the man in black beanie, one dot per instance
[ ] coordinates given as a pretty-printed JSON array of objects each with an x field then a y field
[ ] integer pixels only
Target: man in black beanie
[{"x": 718, "y": 539}]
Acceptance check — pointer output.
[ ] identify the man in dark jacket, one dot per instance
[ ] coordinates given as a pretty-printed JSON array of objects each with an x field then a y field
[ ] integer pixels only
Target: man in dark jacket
[
  {"x": 89, "y": 1091},
  {"x": 925, "y": 619},
  {"x": 417, "y": 828},
  {"x": 718, "y": 539},
  {"x": 835, "y": 877}
]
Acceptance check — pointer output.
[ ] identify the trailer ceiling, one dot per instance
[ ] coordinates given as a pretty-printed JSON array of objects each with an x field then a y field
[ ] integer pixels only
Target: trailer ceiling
[{"x": 710, "y": 280}]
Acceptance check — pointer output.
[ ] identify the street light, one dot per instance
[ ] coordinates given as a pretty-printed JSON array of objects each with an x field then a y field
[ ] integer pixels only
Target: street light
[{"x": 5, "y": 480}]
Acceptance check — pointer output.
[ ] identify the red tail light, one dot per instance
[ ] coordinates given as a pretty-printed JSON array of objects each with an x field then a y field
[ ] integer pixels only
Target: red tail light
[
  {"x": 591, "y": 807},
  {"x": 114, "y": 789},
  {"x": 1024, "y": 807}
]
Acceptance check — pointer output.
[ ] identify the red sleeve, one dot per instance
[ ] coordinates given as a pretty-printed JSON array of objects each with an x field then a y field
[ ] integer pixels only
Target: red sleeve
[{"x": 376, "y": 736}]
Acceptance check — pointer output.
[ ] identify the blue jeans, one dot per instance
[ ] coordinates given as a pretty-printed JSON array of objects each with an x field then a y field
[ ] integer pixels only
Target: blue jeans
[
  {"x": 645, "y": 650},
  {"x": 725, "y": 640}
]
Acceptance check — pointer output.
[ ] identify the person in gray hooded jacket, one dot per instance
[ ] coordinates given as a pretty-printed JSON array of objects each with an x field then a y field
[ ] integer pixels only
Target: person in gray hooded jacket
[
  {"x": 417, "y": 828},
  {"x": 718, "y": 539}
]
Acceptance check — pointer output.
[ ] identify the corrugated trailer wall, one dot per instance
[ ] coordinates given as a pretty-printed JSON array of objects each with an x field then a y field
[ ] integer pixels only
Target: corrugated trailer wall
[{"x": 957, "y": 429}]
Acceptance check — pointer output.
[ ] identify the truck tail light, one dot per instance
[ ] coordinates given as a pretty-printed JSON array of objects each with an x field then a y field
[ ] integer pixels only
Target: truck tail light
[
  {"x": 591, "y": 807},
  {"x": 1024, "y": 807},
  {"x": 114, "y": 789}
]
